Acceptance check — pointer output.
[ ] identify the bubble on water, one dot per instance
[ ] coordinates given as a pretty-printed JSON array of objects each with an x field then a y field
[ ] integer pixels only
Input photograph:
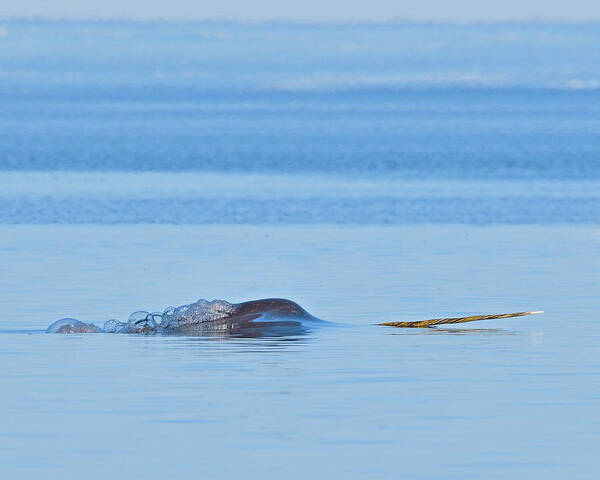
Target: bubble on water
[
  {"x": 72, "y": 325},
  {"x": 113, "y": 326},
  {"x": 195, "y": 313},
  {"x": 166, "y": 316},
  {"x": 139, "y": 322},
  {"x": 137, "y": 316}
]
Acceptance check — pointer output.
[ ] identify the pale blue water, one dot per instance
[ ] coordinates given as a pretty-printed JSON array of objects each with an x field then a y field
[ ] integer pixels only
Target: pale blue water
[{"x": 370, "y": 173}]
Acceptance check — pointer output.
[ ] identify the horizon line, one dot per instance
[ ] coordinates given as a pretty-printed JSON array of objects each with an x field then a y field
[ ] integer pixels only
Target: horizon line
[{"x": 295, "y": 21}]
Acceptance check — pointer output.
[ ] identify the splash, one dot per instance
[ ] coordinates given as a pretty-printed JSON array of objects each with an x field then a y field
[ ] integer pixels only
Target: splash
[
  {"x": 195, "y": 313},
  {"x": 171, "y": 319}
]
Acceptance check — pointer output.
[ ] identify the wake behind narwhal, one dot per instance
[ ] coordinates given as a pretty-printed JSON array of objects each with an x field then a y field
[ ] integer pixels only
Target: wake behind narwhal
[{"x": 265, "y": 317}]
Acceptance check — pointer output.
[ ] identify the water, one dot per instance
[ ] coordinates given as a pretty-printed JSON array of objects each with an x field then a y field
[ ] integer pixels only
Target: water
[{"x": 369, "y": 173}]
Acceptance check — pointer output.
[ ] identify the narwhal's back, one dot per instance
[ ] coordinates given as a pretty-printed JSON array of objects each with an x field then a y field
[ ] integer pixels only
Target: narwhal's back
[{"x": 257, "y": 318}]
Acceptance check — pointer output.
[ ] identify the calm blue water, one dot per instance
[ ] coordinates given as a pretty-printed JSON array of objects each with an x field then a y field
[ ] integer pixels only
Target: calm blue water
[{"x": 369, "y": 172}]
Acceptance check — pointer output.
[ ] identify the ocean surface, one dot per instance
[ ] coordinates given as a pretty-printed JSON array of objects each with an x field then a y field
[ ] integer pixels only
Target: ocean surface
[{"x": 370, "y": 173}]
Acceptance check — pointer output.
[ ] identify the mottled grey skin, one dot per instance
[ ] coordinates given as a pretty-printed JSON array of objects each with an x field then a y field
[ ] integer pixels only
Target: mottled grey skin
[{"x": 256, "y": 318}]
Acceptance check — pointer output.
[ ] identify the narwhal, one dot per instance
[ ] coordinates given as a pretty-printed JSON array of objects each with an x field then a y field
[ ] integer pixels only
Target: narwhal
[{"x": 255, "y": 318}]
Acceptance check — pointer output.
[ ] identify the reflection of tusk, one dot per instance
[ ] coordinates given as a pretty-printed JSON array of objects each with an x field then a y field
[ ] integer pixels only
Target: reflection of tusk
[{"x": 442, "y": 321}]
